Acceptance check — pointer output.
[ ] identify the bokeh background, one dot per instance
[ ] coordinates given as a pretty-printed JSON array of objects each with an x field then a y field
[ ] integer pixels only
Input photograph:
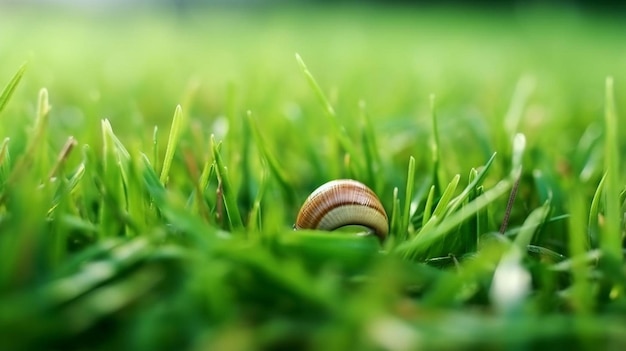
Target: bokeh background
[{"x": 133, "y": 61}]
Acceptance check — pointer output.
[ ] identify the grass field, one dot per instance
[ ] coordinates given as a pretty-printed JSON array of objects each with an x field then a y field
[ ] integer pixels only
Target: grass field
[{"x": 153, "y": 164}]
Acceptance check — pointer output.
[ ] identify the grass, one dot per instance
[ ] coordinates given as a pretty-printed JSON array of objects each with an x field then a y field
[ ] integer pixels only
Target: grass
[{"x": 148, "y": 191}]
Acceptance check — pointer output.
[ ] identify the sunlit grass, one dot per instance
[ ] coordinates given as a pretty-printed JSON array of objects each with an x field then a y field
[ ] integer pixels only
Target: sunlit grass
[{"x": 151, "y": 172}]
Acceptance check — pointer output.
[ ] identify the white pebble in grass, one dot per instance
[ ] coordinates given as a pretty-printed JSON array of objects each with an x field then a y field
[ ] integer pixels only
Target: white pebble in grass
[
  {"x": 511, "y": 283},
  {"x": 393, "y": 334}
]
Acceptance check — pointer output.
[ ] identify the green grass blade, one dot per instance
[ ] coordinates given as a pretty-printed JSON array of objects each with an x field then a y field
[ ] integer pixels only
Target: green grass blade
[
  {"x": 434, "y": 149},
  {"x": 172, "y": 143},
  {"x": 37, "y": 143},
  {"x": 531, "y": 225},
  {"x": 275, "y": 167},
  {"x": 5, "y": 160},
  {"x": 394, "y": 219},
  {"x": 408, "y": 198},
  {"x": 428, "y": 207},
  {"x": 470, "y": 228},
  {"x": 482, "y": 218},
  {"x": 316, "y": 88},
  {"x": 339, "y": 130},
  {"x": 254, "y": 219},
  {"x": 155, "y": 147},
  {"x": 113, "y": 184},
  {"x": 611, "y": 240},
  {"x": 173, "y": 209},
  {"x": 477, "y": 181},
  {"x": 578, "y": 244},
  {"x": 593, "y": 228},
  {"x": 229, "y": 195},
  {"x": 62, "y": 157},
  {"x": 446, "y": 197},
  {"x": 519, "y": 146},
  {"x": 425, "y": 238},
  {"x": 9, "y": 89}
]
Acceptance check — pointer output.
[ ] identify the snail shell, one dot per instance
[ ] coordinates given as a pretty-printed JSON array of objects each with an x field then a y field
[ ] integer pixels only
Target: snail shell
[{"x": 340, "y": 203}]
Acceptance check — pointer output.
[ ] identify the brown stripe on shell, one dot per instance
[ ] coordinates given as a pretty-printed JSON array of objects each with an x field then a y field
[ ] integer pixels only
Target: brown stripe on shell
[{"x": 335, "y": 194}]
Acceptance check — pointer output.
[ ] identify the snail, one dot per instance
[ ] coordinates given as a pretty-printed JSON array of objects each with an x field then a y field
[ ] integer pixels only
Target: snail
[{"x": 340, "y": 203}]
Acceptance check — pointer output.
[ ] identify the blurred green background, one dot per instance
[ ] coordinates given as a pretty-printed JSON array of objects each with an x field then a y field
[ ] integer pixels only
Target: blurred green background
[{"x": 112, "y": 62}]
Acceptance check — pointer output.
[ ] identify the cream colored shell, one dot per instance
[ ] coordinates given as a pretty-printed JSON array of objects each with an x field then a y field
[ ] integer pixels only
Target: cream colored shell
[{"x": 343, "y": 202}]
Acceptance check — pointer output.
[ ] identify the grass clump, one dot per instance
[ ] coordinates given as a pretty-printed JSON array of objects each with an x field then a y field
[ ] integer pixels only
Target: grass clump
[{"x": 506, "y": 214}]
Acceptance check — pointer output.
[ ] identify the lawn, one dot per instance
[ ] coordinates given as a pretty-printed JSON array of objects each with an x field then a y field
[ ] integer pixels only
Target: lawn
[{"x": 152, "y": 166}]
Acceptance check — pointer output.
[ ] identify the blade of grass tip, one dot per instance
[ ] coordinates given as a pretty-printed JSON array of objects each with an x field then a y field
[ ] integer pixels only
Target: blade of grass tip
[
  {"x": 199, "y": 204},
  {"x": 207, "y": 171},
  {"x": 519, "y": 145},
  {"x": 611, "y": 241},
  {"x": 408, "y": 196},
  {"x": 113, "y": 183},
  {"x": 254, "y": 219},
  {"x": 316, "y": 88},
  {"x": 477, "y": 181},
  {"x": 65, "y": 188},
  {"x": 438, "y": 213},
  {"x": 172, "y": 143},
  {"x": 76, "y": 177},
  {"x": 340, "y": 131},
  {"x": 447, "y": 206},
  {"x": 115, "y": 144},
  {"x": 63, "y": 155},
  {"x": 40, "y": 151},
  {"x": 532, "y": 223},
  {"x": 446, "y": 197},
  {"x": 395, "y": 207},
  {"x": 5, "y": 159},
  {"x": 582, "y": 296},
  {"x": 593, "y": 227},
  {"x": 122, "y": 160},
  {"x": 9, "y": 89},
  {"x": 509, "y": 205},
  {"x": 426, "y": 237},
  {"x": 470, "y": 228},
  {"x": 155, "y": 148},
  {"x": 230, "y": 198},
  {"x": 428, "y": 207},
  {"x": 106, "y": 146},
  {"x": 473, "y": 174},
  {"x": 434, "y": 148},
  {"x": 36, "y": 144}
]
